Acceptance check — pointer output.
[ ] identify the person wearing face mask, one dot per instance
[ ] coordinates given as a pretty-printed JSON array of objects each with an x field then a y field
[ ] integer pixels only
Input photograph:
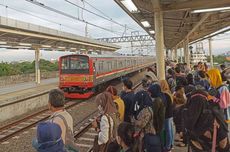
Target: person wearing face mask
[{"x": 107, "y": 125}]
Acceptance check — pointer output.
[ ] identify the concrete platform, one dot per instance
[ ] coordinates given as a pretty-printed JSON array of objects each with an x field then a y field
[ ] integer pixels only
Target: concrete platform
[
  {"x": 9, "y": 97},
  {"x": 26, "y": 85},
  {"x": 22, "y": 90}
]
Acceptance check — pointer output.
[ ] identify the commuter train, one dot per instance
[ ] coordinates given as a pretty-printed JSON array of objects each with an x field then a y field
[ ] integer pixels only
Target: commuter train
[{"x": 82, "y": 75}]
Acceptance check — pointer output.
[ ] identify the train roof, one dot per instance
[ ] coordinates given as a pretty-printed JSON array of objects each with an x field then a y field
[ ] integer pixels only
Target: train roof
[{"x": 104, "y": 56}]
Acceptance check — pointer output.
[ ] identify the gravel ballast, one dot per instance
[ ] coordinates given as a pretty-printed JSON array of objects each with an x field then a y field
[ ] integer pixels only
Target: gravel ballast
[{"x": 22, "y": 142}]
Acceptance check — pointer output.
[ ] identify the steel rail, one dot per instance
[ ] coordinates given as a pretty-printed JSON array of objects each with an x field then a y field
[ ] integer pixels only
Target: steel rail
[
  {"x": 30, "y": 125},
  {"x": 89, "y": 125}
]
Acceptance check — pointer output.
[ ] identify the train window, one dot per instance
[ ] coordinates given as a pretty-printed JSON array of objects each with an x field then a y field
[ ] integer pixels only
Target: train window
[
  {"x": 120, "y": 64},
  {"x": 75, "y": 64},
  {"x": 109, "y": 65},
  {"x": 128, "y": 62},
  {"x": 115, "y": 65},
  {"x": 101, "y": 66}
]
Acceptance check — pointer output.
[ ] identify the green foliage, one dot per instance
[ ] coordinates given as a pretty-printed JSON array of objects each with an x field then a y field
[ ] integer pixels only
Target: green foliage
[
  {"x": 220, "y": 59},
  {"x": 7, "y": 69}
]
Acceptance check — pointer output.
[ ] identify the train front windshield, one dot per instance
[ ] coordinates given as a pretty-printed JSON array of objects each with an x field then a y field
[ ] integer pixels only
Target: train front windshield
[{"x": 75, "y": 65}]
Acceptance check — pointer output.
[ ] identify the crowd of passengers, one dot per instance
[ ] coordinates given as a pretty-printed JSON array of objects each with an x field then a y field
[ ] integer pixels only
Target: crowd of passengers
[{"x": 191, "y": 108}]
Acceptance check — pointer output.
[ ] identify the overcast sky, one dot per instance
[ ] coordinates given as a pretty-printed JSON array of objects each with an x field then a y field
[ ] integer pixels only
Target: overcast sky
[{"x": 25, "y": 11}]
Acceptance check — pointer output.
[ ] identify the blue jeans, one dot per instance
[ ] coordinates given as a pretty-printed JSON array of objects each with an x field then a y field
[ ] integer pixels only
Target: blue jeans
[
  {"x": 152, "y": 143},
  {"x": 168, "y": 126}
]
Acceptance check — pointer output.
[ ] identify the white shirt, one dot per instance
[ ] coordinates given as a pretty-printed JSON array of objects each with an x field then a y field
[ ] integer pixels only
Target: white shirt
[{"x": 103, "y": 135}]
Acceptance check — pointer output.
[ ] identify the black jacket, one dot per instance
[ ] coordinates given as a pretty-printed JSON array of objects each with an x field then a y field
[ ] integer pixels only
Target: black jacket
[
  {"x": 128, "y": 98},
  {"x": 169, "y": 107}
]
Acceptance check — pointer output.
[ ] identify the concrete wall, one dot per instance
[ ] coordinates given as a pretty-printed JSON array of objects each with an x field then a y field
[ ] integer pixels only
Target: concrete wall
[
  {"x": 21, "y": 108},
  {"x": 9, "y": 80}
]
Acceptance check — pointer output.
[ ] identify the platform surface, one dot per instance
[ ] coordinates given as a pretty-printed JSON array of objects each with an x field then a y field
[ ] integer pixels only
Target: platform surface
[{"x": 22, "y": 90}]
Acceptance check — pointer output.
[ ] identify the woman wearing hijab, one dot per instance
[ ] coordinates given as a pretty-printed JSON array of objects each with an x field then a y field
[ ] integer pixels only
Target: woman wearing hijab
[
  {"x": 144, "y": 120},
  {"x": 203, "y": 80},
  {"x": 179, "y": 100},
  {"x": 168, "y": 124},
  {"x": 171, "y": 78},
  {"x": 48, "y": 138},
  {"x": 200, "y": 122},
  {"x": 223, "y": 94},
  {"x": 107, "y": 125},
  {"x": 119, "y": 102}
]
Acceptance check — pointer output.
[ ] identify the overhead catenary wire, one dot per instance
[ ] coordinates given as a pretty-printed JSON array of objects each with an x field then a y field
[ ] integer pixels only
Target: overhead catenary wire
[
  {"x": 131, "y": 28},
  {"x": 97, "y": 9},
  {"x": 28, "y": 13},
  {"x": 106, "y": 17},
  {"x": 70, "y": 16}
]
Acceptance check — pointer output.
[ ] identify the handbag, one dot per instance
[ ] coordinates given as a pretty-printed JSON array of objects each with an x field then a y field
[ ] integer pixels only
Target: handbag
[{"x": 102, "y": 147}]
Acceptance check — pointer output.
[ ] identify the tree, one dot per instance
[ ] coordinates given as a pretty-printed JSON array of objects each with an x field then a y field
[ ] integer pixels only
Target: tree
[
  {"x": 7, "y": 69},
  {"x": 220, "y": 59}
]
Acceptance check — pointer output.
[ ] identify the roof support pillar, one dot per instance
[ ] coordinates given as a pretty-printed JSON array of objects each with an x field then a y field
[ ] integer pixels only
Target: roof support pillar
[
  {"x": 210, "y": 52},
  {"x": 186, "y": 53},
  {"x": 181, "y": 56},
  {"x": 159, "y": 36},
  {"x": 175, "y": 54},
  {"x": 172, "y": 54},
  {"x": 37, "y": 66}
]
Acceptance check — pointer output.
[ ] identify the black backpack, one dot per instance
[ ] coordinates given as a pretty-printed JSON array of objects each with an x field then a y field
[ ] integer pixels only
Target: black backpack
[
  {"x": 201, "y": 107},
  {"x": 199, "y": 114},
  {"x": 158, "y": 109}
]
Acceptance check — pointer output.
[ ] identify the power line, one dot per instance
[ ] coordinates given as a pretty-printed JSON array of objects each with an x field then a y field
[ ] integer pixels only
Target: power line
[
  {"x": 106, "y": 16},
  {"x": 70, "y": 16},
  {"x": 27, "y": 13},
  {"x": 97, "y": 9},
  {"x": 108, "y": 19}
]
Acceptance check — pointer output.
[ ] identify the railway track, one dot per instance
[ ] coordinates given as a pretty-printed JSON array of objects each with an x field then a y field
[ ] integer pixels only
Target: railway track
[
  {"x": 12, "y": 129},
  {"x": 85, "y": 134}
]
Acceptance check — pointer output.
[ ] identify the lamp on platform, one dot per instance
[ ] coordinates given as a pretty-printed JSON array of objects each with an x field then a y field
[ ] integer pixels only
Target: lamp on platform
[
  {"x": 211, "y": 10},
  {"x": 152, "y": 31},
  {"x": 145, "y": 23},
  {"x": 130, "y": 6}
]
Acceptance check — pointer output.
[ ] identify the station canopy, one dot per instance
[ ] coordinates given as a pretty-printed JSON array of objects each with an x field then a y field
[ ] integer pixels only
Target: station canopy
[
  {"x": 16, "y": 34},
  {"x": 183, "y": 20}
]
